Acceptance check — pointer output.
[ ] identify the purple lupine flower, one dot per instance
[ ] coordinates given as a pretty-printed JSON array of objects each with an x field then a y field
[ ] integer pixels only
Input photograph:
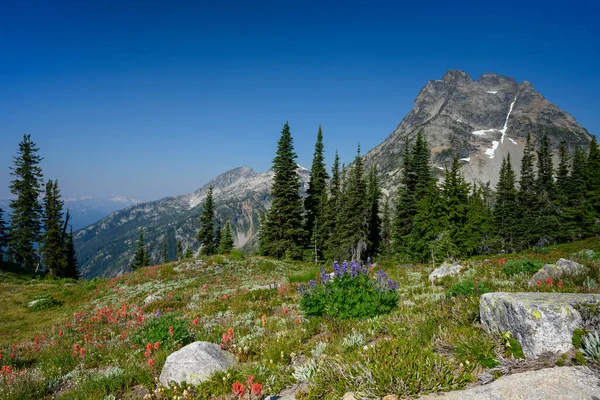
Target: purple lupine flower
[
  {"x": 157, "y": 313},
  {"x": 355, "y": 269},
  {"x": 337, "y": 271},
  {"x": 392, "y": 285},
  {"x": 325, "y": 277},
  {"x": 381, "y": 276},
  {"x": 345, "y": 267},
  {"x": 312, "y": 284}
]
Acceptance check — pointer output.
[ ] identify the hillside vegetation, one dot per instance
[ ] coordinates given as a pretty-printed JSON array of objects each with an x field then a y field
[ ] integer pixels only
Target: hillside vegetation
[{"x": 110, "y": 337}]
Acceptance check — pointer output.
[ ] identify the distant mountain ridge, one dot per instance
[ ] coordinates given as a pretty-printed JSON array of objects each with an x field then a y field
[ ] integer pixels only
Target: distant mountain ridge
[
  {"x": 106, "y": 248},
  {"x": 85, "y": 210}
]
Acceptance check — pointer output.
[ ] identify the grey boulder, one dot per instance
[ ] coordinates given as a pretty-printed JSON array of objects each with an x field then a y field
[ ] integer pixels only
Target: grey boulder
[
  {"x": 566, "y": 383},
  {"x": 541, "y": 322},
  {"x": 195, "y": 363},
  {"x": 445, "y": 270},
  {"x": 562, "y": 269}
]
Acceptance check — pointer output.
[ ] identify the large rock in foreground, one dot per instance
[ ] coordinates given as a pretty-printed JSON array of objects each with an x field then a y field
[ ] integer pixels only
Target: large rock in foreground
[
  {"x": 562, "y": 269},
  {"x": 541, "y": 322},
  {"x": 566, "y": 383},
  {"x": 195, "y": 362}
]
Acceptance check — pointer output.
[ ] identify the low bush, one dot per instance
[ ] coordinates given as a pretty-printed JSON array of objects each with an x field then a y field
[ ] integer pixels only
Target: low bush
[
  {"x": 166, "y": 329},
  {"x": 350, "y": 293},
  {"x": 43, "y": 302},
  {"x": 468, "y": 288},
  {"x": 514, "y": 267}
]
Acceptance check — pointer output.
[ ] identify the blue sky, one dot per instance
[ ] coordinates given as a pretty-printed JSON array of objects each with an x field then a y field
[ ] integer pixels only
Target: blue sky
[{"x": 154, "y": 98}]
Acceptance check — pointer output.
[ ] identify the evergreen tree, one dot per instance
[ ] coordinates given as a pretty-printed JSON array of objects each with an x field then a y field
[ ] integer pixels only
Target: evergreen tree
[
  {"x": 147, "y": 260},
  {"x": 283, "y": 231},
  {"x": 386, "y": 228},
  {"x": 331, "y": 212},
  {"x": 316, "y": 186},
  {"x": 217, "y": 237},
  {"x": 455, "y": 194},
  {"x": 165, "y": 252},
  {"x": 25, "y": 222},
  {"x": 547, "y": 224},
  {"x": 579, "y": 213},
  {"x": 71, "y": 257},
  {"x": 505, "y": 210},
  {"x": 205, "y": 236},
  {"x": 527, "y": 199},
  {"x": 374, "y": 220},
  {"x": 140, "y": 258},
  {"x": 3, "y": 238},
  {"x": 53, "y": 240},
  {"x": 562, "y": 193},
  {"x": 478, "y": 224},
  {"x": 353, "y": 226},
  {"x": 226, "y": 244},
  {"x": 429, "y": 238},
  {"x": 179, "y": 250},
  {"x": 545, "y": 169},
  {"x": 406, "y": 204},
  {"x": 188, "y": 253},
  {"x": 593, "y": 181}
]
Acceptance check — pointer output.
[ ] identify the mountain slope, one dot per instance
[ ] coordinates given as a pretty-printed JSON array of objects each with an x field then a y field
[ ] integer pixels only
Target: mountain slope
[
  {"x": 482, "y": 121},
  {"x": 106, "y": 248}
]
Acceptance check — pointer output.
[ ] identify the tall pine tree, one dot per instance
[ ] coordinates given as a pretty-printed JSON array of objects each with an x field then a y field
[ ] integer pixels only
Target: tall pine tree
[
  {"x": 165, "y": 252},
  {"x": 140, "y": 258},
  {"x": 330, "y": 212},
  {"x": 527, "y": 198},
  {"x": 374, "y": 220},
  {"x": 455, "y": 192},
  {"x": 25, "y": 224},
  {"x": 206, "y": 234},
  {"x": 314, "y": 195},
  {"x": 505, "y": 213},
  {"x": 53, "y": 239},
  {"x": 70, "y": 257},
  {"x": 226, "y": 244},
  {"x": 386, "y": 228},
  {"x": 283, "y": 233},
  {"x": 353, "y": 229},
  {"x": 179, "y": 250}
]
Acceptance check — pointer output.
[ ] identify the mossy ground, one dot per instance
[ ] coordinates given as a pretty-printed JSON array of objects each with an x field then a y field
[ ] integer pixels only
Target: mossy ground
[{"x": 430, "y": 342}]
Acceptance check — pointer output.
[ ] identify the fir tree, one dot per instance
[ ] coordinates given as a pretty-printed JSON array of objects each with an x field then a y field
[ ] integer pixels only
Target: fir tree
[
  {"x": 331, "y": 211},
  {"x": 25, "y": 222},
  {"x": 545, "y": 169},
  {"x": 71, "y": 257},
  {"x": 53, "y": 240},
  {"x": 179, "y": 250},
  {"x": 592, "y": 177},
  {"x": 456, "y": 197},
  {"x": 547, "y": 224},
  {"x": 314, "y": 195},
  {"x": 147, "y": 260},
  {"x": 188, "y": 253},
  {"x": 353, "y": 226},
  {"x": 386, "y": 228},
  {"x": 579, "y": 215},
  {"x": 562, "y": 193},
  {"x": 206, "y": 234},
  {"x": 226, "y": 244},
  {"x": 429, "y": 238},
  {"x": 478, "y": 224},
  {"x": 217, "y": 237},
  {"x": 165, "y": 252},
  {"x": 374, "y": 220},
  {"x": 283, "y": 233},
  {"x": 505, "y": 210},
  {"x": 405, "y": 204},
  {"x": 3, "y": 238},
  {"x": 527, "y": 198},
  {"x": 140, "y": 258}
]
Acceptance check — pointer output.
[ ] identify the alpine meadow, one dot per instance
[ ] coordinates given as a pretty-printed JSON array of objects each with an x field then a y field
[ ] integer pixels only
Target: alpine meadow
[{"x": 455, "y": 257}]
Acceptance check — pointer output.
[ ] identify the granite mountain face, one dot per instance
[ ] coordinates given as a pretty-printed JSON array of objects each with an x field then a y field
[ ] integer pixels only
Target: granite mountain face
[
  {"x": 482, "y": 121},
  {"x": 106, "y": 248}
]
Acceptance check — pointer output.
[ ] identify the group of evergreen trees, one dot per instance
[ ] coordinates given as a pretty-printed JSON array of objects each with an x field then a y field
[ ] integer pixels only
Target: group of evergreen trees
[
  {"x": 340, "y": 215},
  {"x": 343, "y": 216},
  {"x": 37, "y": 235}
]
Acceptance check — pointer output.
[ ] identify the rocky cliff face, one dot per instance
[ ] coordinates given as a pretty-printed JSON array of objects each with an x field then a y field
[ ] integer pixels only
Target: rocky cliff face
[
  {"x": 106, "y": 248},
  {"x": 482, "y": 121}
]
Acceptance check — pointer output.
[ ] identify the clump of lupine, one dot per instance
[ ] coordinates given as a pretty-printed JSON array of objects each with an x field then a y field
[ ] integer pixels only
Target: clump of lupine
[{"x": 350, "y": 292}]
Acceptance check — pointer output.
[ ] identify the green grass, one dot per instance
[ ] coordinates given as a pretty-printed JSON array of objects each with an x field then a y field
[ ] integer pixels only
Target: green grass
[{"x": 437, "y": 338}]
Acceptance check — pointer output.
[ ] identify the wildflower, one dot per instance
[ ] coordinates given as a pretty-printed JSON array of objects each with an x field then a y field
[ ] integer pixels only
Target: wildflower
[
  {"x": 263, "y": 320},
  {"x": 82, "y": 352},
  {"x": 560, "y": 284},
  {"x": 285, "y": 310},
  {"x": 156, "y": 345},
  {"x": 157, "y": 313},
  {"x": 195, "y": 322},
  {"x": 297, "y": 320},
  {"x": 256, "y": 389},
  {"x": 250, "y": 380},
  {"x": 238, "y": 389},
  {"x": 147, "y": 354},
  {"x": 539, "y": 283},
  {"x": 60, "y": 333},
  {"x": 549, "y": 281},
  {"x": 171, "y": 330},
  {"x": 151, "y": 362}
]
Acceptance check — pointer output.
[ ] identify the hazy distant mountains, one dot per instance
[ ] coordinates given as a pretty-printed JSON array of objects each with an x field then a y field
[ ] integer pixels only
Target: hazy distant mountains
[
  {"x": 107, "y": 247},
  {"x": 87, "y": 210},
  {"x": 482, "y": 121}
]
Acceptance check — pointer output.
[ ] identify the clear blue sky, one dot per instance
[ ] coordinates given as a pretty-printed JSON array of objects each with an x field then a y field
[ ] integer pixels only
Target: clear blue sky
[{"x": 154, "y": 98}]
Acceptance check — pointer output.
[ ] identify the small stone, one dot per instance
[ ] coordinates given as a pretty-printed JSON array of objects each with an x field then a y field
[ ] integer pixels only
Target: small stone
[
  {"x": 349, "y": 396},
  {"x": 390, "y": 397}
]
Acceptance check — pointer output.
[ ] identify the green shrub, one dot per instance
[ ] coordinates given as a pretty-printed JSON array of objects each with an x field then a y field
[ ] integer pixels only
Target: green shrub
[
  {"x": 352, "y": 293},
  {"x": 514, "y": 267},
  {"x": 43, "y": 302},
  {"x": 237, "y": 255},
  {"x": 467, "y": 288},
  {"x": 157, "y": 330},
  {"x": 591, "y": 346},
  {"x": 580, "y": 358},
  {"x": 578, "y": 335},
  {"x": 512, "y": 346}
]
